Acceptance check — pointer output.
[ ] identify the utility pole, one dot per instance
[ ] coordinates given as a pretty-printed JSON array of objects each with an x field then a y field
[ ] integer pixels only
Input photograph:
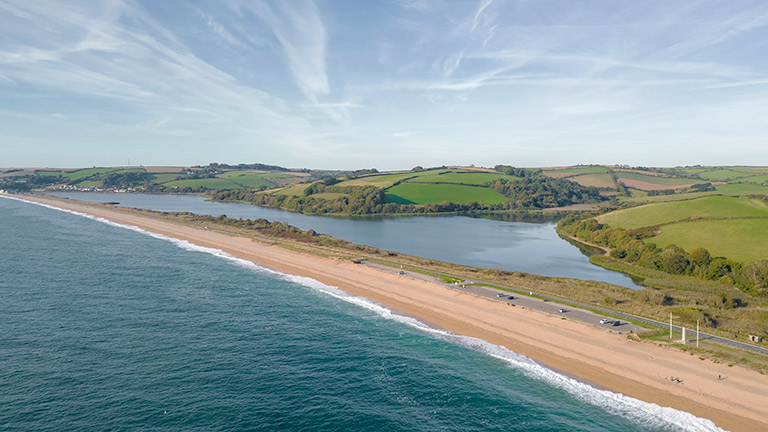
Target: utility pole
[{"x": 670, "y": 325}]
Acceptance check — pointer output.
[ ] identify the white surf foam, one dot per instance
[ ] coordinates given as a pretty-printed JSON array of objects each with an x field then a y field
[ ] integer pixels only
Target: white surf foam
[{"x": 643, "y": 413}]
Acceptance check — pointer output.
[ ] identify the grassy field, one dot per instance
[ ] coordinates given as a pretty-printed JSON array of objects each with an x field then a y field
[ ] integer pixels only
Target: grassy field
[
  {"x": 723, "y": 175},
  {"x": 383, "y": 180},
  {"x": 164, "y": 178},
  {"x": 415, "y": 193},
  {"x": 742, "y": 240},
  {"x": 702, "y": 208},
  {"x": 596, "y": 180},
  {"x": 667, "y": 181},
  {"x": 761, "y": 179},
  {"x": 560, "y": 173},
  {"x": 750, "y": 169},
  {"x": 296, "y": 190},
  {"x": 83, "y": 173},
  {"x": 726, "y": 189},
  {"x": 471, "y": 178},
  {"x": 694, "y": 170},
  {"x": 210, "y": 183}
]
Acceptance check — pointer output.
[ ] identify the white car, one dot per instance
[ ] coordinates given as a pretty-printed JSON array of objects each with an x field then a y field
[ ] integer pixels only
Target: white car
[{"x": 606, "y": 321}]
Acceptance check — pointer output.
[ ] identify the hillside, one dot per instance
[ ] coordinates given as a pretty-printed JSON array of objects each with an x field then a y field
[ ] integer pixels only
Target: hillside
[
  {"x": 720, "y": 238},
  {"x": 441, "y": 189}
]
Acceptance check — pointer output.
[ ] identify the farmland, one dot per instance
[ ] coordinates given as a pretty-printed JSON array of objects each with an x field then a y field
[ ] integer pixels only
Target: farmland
[
  {"x": 742, "y": 240},
  {"x": 419, "y": 193},
  {"x": 713, "y": 207}
]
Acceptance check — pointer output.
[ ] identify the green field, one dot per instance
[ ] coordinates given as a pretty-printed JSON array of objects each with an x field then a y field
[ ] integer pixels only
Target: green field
[
  {"x": 695, "y": 170},
  {"x": 726, "y": 189},
  {"x": 667, "y": 181},
  {"x": 296, "y": 190},
  {"x": 251, "y": 179},
  {"x": 702, "y": 208},
  {"x": 416, "y": 193},
  {"x": 750, "y": 169},
  {"x": 209, "y": 183},
  {"x": 471, "y": 178},
  {"x": 742, "y": 240},
  {"x": 761, "y": 179},
  {"x": 384, "y": 180},
  {"x": 723, "y": 175},
  {"x": 577, "y": 171},
  {"x": 596, "y": 180},
  {"x": 83, "y": 173},
  {"x": 164, "y": 178}
]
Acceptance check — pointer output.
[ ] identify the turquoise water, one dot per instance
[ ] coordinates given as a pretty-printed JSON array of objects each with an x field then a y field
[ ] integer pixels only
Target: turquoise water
[{"x": 107, "y": 328}]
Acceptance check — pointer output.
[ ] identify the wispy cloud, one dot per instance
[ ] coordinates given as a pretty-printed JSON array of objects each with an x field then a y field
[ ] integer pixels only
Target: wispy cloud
[{"x": 302, "y": 36}]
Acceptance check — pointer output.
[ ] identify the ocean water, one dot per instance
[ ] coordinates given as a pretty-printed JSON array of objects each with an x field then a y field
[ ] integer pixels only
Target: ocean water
[{"x": 103, "y": 327}]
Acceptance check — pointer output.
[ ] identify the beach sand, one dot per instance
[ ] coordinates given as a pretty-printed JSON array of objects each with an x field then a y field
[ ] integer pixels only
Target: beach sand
[{"x": 638, "y": 369}]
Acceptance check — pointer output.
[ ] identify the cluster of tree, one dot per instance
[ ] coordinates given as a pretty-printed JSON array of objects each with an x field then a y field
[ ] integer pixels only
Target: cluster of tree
[
  {"x": 28, "y": 182},
  {"x": 516, "y": 172},
  {"x": 534, "y": 190},
  {"x": 629, "y": 246},
  {"x": 123, "y": 179},
  {"x": 356, "y": 199},
  {"x": 661, "y": 192}
]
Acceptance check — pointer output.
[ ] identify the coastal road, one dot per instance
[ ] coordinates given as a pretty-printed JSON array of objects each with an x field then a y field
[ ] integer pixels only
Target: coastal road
[
  {"x": 524, "y": 301},
  {"x": 553, "y": 305}
]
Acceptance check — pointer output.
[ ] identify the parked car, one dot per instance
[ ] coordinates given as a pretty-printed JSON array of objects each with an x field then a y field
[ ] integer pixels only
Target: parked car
[
  {"x": 606, "y": 321},
  {"x": 562, "y": 310},
  {"x": 500, "y": 295},
  {"x": 511, "y": 297}
]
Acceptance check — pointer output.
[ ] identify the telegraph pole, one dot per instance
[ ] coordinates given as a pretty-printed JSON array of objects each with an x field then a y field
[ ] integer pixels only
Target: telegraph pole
[{"x": 670, "y": 325}]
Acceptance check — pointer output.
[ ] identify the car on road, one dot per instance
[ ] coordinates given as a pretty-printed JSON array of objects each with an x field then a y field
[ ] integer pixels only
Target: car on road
[
  {"x": 511, "y": 297},
  {"x": 357, "y": 262},
  {"x": 401, "y": 272},
  {"x": 562, "y": 310},
  {"x": 606, "y": 321},
  {"x": 500, "y": 295}
]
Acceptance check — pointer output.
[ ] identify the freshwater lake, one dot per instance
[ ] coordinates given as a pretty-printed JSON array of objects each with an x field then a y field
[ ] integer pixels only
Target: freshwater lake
[{"x": 530, "y": 246}]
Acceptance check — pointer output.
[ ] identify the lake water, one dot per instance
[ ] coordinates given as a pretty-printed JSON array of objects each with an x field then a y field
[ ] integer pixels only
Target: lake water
[
  {"x": 108, "y": 328},
  {"x": 532, "y": 247}
]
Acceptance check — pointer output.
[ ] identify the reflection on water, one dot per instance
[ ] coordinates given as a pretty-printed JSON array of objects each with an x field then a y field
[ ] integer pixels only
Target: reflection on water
[{"x": 521, "y": 242}]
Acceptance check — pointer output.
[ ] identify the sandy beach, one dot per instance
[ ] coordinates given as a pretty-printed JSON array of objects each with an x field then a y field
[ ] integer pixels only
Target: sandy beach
[{"x": 739, "y": 402}]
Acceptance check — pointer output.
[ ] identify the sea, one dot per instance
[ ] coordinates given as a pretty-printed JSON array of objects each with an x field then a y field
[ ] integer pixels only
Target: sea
[{"x": 109, "y": 327}]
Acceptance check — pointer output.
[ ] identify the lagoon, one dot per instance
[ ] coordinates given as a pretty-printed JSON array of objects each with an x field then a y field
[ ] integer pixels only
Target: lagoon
[{"x": 527, "y": 244}]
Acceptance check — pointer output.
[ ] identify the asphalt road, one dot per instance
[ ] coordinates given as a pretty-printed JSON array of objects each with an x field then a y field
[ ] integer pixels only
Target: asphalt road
[
  {"x": 553, "y": 305},
  {"x": 525, "y": 301}
]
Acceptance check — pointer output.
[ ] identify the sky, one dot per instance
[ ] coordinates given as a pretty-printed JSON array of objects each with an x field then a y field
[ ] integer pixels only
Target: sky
[{"x": 383, "y": 84}]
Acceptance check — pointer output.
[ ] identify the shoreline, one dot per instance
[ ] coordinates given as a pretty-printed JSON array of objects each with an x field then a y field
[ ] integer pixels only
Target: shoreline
[{"x": 596, "y": 356}]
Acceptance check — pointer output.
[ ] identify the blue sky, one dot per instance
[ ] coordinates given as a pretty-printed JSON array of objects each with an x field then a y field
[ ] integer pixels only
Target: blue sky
[{"x": 384, "y": 84}]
